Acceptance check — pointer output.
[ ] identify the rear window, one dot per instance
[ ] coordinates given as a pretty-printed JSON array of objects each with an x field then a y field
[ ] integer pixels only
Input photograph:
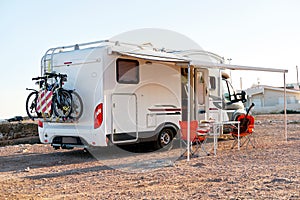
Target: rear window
[{"x": 127, "y": 71}]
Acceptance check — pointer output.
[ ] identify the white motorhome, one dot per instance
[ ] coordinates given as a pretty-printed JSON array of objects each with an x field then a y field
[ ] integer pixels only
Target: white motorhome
[{"x": 135, "y": 93}]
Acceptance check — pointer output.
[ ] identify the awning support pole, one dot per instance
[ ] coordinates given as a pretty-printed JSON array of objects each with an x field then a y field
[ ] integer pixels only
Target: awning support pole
[
  {"x": 285, "y": 107},
  {"x": 189, "y": 113}
]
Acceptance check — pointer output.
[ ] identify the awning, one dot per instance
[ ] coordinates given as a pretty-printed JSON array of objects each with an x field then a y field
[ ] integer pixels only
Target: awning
[
  {"x": 235, "y": 67},
  {"x": 148, "y": 54},
  {"x": 155, "y": 57}
]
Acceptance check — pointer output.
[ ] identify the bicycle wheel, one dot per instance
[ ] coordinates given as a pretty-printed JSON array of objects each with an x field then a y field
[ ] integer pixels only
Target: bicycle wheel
[
  {"x": 62, "y": 104},
  {"x": 77, "y": 106},
  {"x": 31, "y": 104}
]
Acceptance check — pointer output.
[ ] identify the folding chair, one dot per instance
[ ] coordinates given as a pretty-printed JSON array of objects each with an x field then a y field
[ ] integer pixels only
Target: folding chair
[
  {"x": 197, "y": 136},
  {"x": 246, "y": 130}
]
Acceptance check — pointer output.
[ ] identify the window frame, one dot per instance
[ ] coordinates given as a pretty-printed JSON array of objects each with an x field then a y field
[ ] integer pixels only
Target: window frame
[{"x": 137, "y": 72}]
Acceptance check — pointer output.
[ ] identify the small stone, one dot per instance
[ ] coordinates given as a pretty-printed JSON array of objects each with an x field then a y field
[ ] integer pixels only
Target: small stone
[
  {"x": 24, "y": 150},
  {"x": 27, "y": 169}
]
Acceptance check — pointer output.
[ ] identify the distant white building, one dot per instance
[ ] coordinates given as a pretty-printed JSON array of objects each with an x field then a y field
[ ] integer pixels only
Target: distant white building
[{"x": 268, "y": 99}]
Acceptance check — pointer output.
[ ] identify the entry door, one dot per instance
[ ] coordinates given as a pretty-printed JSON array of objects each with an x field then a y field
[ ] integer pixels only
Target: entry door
[
  {"x": 124, "y": 118},
  {"x": 200, "y": 101}
]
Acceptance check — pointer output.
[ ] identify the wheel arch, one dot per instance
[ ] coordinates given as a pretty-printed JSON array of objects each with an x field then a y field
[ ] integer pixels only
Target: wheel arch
[{"x": 166, "y": 125}]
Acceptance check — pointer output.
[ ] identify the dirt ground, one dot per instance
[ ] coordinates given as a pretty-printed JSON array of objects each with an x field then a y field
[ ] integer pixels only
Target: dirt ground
[{"x": 271, "y": 170}]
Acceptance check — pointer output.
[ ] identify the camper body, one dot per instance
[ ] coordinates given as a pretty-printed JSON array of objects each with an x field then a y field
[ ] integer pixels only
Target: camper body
[{"x": 133, "y": 93}]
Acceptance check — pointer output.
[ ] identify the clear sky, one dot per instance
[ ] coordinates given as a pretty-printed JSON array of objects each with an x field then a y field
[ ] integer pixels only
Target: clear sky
[{"x": 264, "y": 33}]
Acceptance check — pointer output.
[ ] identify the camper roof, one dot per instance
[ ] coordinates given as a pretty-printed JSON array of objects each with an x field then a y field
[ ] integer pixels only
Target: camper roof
[{"x": 196, "y": 58}]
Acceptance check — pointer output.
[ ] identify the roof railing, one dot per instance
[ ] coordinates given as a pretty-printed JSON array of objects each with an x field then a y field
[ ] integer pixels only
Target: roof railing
[
  {"x": 50, "y": 52},
  {"x": 47, "y": 59}
]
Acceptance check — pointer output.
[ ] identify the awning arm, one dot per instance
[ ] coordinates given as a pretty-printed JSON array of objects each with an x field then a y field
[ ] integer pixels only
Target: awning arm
[
  {"x": 189, "y": 113},
  {"x": 285, "y": 107}
]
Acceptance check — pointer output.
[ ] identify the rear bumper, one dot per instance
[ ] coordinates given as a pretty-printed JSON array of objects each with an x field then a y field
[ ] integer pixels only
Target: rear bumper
[{"x": 64, "y": 133}]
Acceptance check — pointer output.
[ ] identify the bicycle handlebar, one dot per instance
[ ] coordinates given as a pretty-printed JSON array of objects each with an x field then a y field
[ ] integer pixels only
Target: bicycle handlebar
[
  {"x": 50, "y": 75},
  {"x": 38, "y": 78},
  {"x": 63, "y": 78}
]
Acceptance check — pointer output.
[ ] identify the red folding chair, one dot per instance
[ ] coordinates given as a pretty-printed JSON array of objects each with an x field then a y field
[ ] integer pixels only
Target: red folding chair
[
  {"x": 197, "y": 136},
  {"x": 246, "y": 131}
]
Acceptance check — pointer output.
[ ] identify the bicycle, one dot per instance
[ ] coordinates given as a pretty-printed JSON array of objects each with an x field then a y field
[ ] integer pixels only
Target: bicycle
[
  {"x": 31, "y": 101},
  {"x": 61, "y": 99},
  {"x": 64, "y": 103},
  {"x": 77, "y": 105}
]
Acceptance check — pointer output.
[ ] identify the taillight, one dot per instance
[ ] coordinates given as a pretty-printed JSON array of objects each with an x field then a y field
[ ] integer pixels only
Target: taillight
[
  {"x": 98, "y": 116},
  {"x": 40, "y": 124}
]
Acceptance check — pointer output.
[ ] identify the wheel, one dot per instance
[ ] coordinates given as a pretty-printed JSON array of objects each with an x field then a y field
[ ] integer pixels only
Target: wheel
[
  {"x": 165, "y": 137},
  {"x": 31, "y": 104},
  {"x": 62, "y": 104},
  {"x": 77, "y": 106}
]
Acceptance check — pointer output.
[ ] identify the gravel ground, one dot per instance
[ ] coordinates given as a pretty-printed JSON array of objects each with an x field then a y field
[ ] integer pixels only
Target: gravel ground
[{"x": 269, "y": 171}]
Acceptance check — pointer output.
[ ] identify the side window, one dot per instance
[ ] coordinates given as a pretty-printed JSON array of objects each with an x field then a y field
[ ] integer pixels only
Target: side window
[
  {"x": 228, "y": 90},
  {"x": 127, "y": 71},
  {"x": 225, "y": 90},
  {"x": 212, "y": 83}
]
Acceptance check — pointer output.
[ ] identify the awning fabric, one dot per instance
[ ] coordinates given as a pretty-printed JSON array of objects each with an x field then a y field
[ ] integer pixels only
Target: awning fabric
[
  {"x": 155, "y": 57},
  {"x": 235, "y": 67},
  {"x": 149, "y": 54}
]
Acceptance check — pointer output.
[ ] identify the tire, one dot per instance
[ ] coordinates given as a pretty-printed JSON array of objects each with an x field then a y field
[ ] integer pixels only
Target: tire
[
  {"x": 31, "y": 105},
  {"x": 165, "y": 137},
  {"x": 77, "y": 106},
  {"x": 63, "y": 108}
]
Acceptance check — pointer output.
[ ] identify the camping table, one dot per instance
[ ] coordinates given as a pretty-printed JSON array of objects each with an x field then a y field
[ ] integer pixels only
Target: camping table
[{"x": 217, "y": 127}]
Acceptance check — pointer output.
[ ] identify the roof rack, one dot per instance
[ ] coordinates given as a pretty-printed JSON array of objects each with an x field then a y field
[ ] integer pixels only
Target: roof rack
[
  {"x": 47, "y": 63},
  {"x": 47, "y": 59}
]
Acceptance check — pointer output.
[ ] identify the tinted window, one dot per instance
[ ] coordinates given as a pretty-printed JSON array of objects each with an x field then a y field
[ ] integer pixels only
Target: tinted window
[
  {"x": 212, "y": 83},
  {"x": 127, "y": 71}
]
